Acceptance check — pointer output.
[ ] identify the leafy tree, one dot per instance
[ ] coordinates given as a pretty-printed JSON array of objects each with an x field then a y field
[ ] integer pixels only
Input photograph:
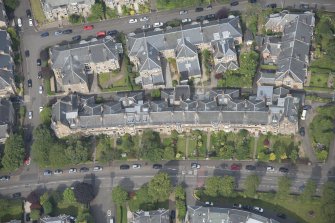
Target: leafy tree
[
  {"x": 75, "y": 18},
  {"x": 284, "y": 184},
  {"x": 35, "y": 214},
  {"x": 57, "y": 156},
  {"x": 248, "y": 63},
  {"x": 84, "y": 217},
  {"x": 169, "y": 153},
  {"x": 228, "y": 186},
  {"x": 68, "y": 196},
  {"x": 151, "y": 146},
  {"x": 160, "y": 186},
  {"x": 180, "y": 193},
  {"x": 44, "y": 198},
  {"x": 328, "y": 202},
  {"x": 43, "y": 141},
  {"x": 111, "y": 13},
  {"x": 156, "y": 93},
  {"x": 83, "y": 193},
  {"x": 212, "y": 186},
  {"x": 127, "y": 142},
  {"x": 294, "y": 155},
  {"x": 251, "y": 184},
  {"x": 14, "y": 152},
  {"x": 11, "y": 4},
  {"x": 97, "y": 10},
  {"x": 220, "y": 186},
  {"x": 272, "y": 157},
  {"x": 45, "y": 115},
  {"x": 77, "y": 153},
  {"x": 309, "y": 191},
  {"x": 322, "y": 155},
  {"x": 47, "y": 207},
  {"x": 105, "y": 147},
  {"x": 14, "y": 37},
  {"x": 119, "y": 195}
]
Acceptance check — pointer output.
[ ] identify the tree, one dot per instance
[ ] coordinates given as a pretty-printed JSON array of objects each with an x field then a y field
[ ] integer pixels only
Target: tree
[
  {"x": 104, "y": 145},
  {"x": 212, "y": 186},
  {"x": 127, "y": 142},
  {"x": 284, "y": 184},
  {"x": 35, "y": 214},
  {"x": 45, "y": 115},
  {"x": 328, "y": 202},
  {"x": 47, "y": 207},
  {"x": 84, "y": 217},
  {"x": 294, "y": 155},
  {"x": 75, "y": 18},
  {"x": 68, "y": 196},
  {"x": 180, "y": 201},
  {"x": 43, "y": 141},
  {"x": 77, "y": 153},
  {"x": 97, "y": 10},
  {"x": 11, "y": 4},
  {"x": 248, "y": 63},
  {"x": 44, "y": 198},
  {"x": 169, "y": 153},
  {"x": 220, "y": 186},
  {"x": 83, "y": 193},
  {"x": 14, "y": 152},
  {"x": 180, "y": 193},
  {"x": 251, "y": 184},
  {"x": 228, "y": 186},
  {"x": 151, "y": 146},
  {"x": 160, "y": 186},
  {"x": 309, "y": 191},
  {"x": 119, "y": 195}
]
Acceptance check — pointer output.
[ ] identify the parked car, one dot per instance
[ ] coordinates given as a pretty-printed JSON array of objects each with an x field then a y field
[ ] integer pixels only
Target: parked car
[
  {"x": 40, "y": 89},
  {"x": 136, "y": 166},
  {"x": 235, "y": 166},
  {"x": 97, "y": 168},
  {"x": 124, "y": 167},
  {"x": 246, "y": 207},
  {"x": 47, "y": 173},
  {"x": 210, "y": 17},
  {"x": 101, "y": 34},
  {"x": 234, "y": 3},
  {"x": 209, "y": 7},
  {"x": 146, "y": 26},
  {"x": 258, "y": 209},
  {"x": 30, "y": 22},
  {"x": 30, "y": 114},
  {"x": 157, "y": 166},
  {"x": 250, "y": 167},
  {"x": 89, "y": 27},
  {"x": 281, "y": 215},
  {"x": 58, "y": 172},
  {"x": 112, "y": 32},
  {"x": 200, "y": 18},
  {"x": 195, "y": 166},
  {"x": 208, "y": 203},
  {"x": 41, "y": 109},
  {"x": 16, "y": 195},
  {"x": 187, "y": 20},
  {"x": 84, "y": 170},
  {"x": 273, "y": 5},
  {"x": 283, "y": 169},
  {"x": 270, "y": 169},
  {"x": 307, "y": 107},
  {"x": 73, "y": 170},
  {"x": 28, "y": 13},
  {"x": 144, "y": 19},
  {"x": 39, "y": 75},
  {"x": 183, "y": 12},
  {"x": 30, "y": 83},
  {"x": 131, "y": 21},
  {"x": 45, "y": 34},
  {"x": 237, "y": 205},
  {"x": 5, "y": 178},
  {"x": 304, "y": 6},
  {"x": 76, "y": 38},
  {"x": 67, "y": 31},
  {"x": 158, "y": 24},
  {"x": 302, "y": 131},
  {"x": 38, "y": 62},
  {"x": 27, "y": 53},
  {"x": 199, "y": 9},
  {"x": 58, "y": 32},
  {"x": 252, "y": 1},
  {"x": 19, "y": 22}
]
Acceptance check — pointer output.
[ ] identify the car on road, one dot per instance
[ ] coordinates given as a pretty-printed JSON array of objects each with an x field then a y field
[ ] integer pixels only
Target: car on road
[
  {"x": 58, "y": 32},
  {"x": 101, "y": 34},
  {"x": 146, "y": 26},
  {"x": 250, "y": 167},
  {"x": 307, "y": 107},
  {"x": 200, "y": 18},
  {"x": 304, "y": 6},
  {"x": 158, "y": 24},
  {"x": 73, "y": 170},
  {"x": 235, "y": 166},
  {"x": 233, "y": 3},
  {"x": 41, "y": 109},
  {"x": 302, "y": 131},
  {"x": 131, "y": 21},
  {"x": 258, "y": 209},
  {"x": 283, "y": 169},
  {"x": 30, "y": 21},
  {"x": 45, "y": 34},
  {"x": 270, "y": 169},
  {"x": 237, "y": 205},
  {"x": 183, "y": 12},
  {"x": 281, "y": 215},
  {"x": 67, "y": 31},
  {"x": 208, "y": 203},
  {"x": 157, "y": 166},
  {"x": 273, "y": 5},
  {"x": 76, "y": 38},
  {"x": 209, "y": 7},
  {"x": 40, "y": 89},
  {"x": 38, "y": 62},
  {"x": 187, "y": 20},
  {"x": 195, "y": 166},
  {"x": 173, "y": 214},
  {"x": 89, "y": 27},
  {"x": 210, "y": 17},
  {"x": 58, "y": 172},
  {"x": 124, "y": 167},
  {"x": 4, "y": 178},
  {"x": 39, "y": 75},
  {"x": 136, "y": 166},
  {"x": 97, "y": 168},
  {"x": 199, "y": 9},
  {"x": 47, "y": 173},
  {"x": 19, "y": 22},
  {"x": 144, "y": 19},
  {"x": 27, "y": 53},
  {"x": 112, "y": 32},
  {"x": 30, "y": 83},
  {"x": 16, "y": 195},
  {"x": 30, "y": 114},
  {"x": 84, "y": 170},
  {"x": 28, "y": 13}
]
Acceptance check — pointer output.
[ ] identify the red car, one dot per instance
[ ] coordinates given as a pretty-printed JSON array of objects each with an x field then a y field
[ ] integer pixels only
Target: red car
[
  {"x": 101, "y": 34},
  {"x": 90, "y": 27},
  {"x": 235, "y": 166}
]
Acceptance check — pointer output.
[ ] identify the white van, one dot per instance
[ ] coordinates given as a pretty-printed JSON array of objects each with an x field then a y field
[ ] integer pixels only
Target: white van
[
  {"x": 19, "y": 22},
  {"x": 303, "y": 115}
]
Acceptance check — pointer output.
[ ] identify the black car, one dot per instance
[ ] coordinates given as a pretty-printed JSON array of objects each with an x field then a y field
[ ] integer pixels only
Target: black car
[
  {"x": 209, "y": 7},
  {"x": 124, "y": 167},
  {"x": 246, "y": 207},
  {"x": 27, "y": 53},
  {"x": 302, "y": 131},
  {"x": 281, "y": 215},
  {"x": 76, "y": 38},
  {"x": 16, "y": 195},
  {"x": 283, "y": 169},
  {"x": 39, "y": 75},
  {"x": 45, "y": 34},
  {"x": 250, "y": 167},
  {"x": 157, "y": 166},
  {"x": 173, "y": 214},
  {"x": 199, "y": 9},
  {"x": 210, "y": 17},
  {"x": 30, "y": 83},
  {"x": 38, "y": 62},
  {"x": 273, "y": 5},
  {"x": 252, "y": 1},
  {"x": 307, "y": 107},
  {"x": 16, "y": 99},
  {"x": 112, "y": 32},
  {"x": 234, "y": 3},
  {"x": 4, "y": 178},
  {"x": 200, "y": 18},
  {"x": 84, "y": 169},
  {"x": 67, "y": 31},
  {"x": 28, "y": 12}
]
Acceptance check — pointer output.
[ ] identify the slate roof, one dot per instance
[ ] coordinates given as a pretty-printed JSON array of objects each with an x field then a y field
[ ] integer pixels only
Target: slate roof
[
  {"x": 222, "y": 67},
  {"x": 281, "y": 19},
  {"x": 5, "y": 41},
  {"x": 6, "y": 78},
  {"x": 224, "y": 47},
  {"x": 51, "y": 4},
  {"x": 3, "y": 15}
]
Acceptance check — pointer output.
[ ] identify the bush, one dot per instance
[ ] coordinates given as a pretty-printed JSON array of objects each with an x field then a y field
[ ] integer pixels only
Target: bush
[{"x": 75, "y": 18}]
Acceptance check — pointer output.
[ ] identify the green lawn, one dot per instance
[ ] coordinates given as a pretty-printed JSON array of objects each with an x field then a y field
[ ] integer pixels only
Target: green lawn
[
  {"x": 103, "y": 79},
  {"x": 47, "y": 85},
  {"x": 181, "y": 144},
  {"x": 235, "y": 80},
  {"x": 319, "y": 80},
  {"x": 38, "y": 11},
  {"x": 268, "y": 67},
  {"x": 10, "y": 209}
]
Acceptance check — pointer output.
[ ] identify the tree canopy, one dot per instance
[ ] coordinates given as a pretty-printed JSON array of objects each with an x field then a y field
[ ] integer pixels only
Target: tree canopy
[
  {"x": 68, "y": 196},
  {"x": 97, "y": 10},
  {"x": 220, "y": 186},
  {"x": 160, "y": 186},
  {"x": 14, "y": 152},
  {"x": 83, "y": 193},
  {"x": 151, "y": 146},
  {"x": 119, "y": 195}
]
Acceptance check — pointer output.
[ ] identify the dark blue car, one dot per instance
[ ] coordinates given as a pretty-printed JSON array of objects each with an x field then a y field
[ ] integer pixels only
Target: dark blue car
[{"x": 45, "y": 34}]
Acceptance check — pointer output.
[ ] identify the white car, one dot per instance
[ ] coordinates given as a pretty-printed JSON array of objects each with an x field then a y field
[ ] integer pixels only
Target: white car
[
  {"x": 158, "y": 24},
  {"x": 186, "y": 20},
  {"x": 260, "y": 210},
  {"x": 40, "y": 89},
  {"x": 58, "y": 32},
  {"x": 146, "y": 26},
  {"x": 41, "y": 109},
  {"x": 270, "y": 168},
  {"x": 73, "y": 170},
  {"x": 183, "y": 12},
  {"x": 195, "y": 166},
  {"x": 30, "y": 114},
  {"x": 131, "y": 21},
  {"x": 97, "y": 168},
  {"x": 58, "y": 172},
  {"x": 136, "y": 166},
  {"x": 144, "y": 19},
  {"x": 31, "y": 22},
  {"x": 19, "y": 22}
]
